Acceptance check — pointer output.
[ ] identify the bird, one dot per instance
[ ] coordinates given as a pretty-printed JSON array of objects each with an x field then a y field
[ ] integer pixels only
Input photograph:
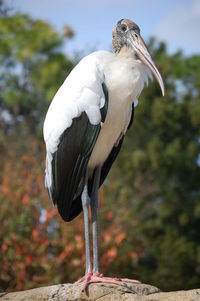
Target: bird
[{"x": 85, "y": 125}]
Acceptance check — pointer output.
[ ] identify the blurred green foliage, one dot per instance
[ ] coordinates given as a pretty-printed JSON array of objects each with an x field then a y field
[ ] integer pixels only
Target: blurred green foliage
[
  {"x": 150, "y": 203},
  {"x": 158, "y": 175},
  {"x": 30, "y": 60}
]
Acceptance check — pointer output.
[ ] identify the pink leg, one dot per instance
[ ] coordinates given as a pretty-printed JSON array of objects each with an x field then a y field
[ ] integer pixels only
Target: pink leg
[
  {"x": 85, "y": 278},
  {"x": 99, "y": 278},
  {"x": 119, "y": 281},
  {"x": 130, "y": 280}
]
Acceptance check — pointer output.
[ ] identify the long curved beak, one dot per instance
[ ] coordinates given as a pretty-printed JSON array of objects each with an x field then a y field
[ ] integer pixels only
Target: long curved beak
[{"x": 138, "y": 44}]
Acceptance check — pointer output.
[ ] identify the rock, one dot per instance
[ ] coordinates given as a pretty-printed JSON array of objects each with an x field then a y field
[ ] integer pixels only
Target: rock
[{"x": 101, "y": 292}]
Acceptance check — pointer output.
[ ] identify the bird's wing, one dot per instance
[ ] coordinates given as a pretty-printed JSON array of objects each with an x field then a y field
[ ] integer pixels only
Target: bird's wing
[
  {"x": 114, "y": 152},
  {"x": 71, "y": 128}
]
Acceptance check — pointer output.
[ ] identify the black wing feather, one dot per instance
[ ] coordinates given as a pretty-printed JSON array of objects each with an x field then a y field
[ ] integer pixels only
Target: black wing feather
[
  {"x": 69, "y": 165},
  {"x": 70, "y": 161},
  {"x": 132, "y": 116}
]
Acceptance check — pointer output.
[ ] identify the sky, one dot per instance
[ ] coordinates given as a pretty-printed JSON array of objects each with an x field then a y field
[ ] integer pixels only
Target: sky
[{"x": 175, "y": 21}]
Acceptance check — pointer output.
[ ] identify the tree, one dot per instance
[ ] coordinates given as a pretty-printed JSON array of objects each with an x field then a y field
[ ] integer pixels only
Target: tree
[
  {"x": 157, "y": 177},
  {"x": 32, "y": 67},
  {"x": 149, "y": 205}
]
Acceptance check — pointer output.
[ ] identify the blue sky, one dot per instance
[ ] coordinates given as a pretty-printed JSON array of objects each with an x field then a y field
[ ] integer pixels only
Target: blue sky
[{"x": 175, "y": 21}]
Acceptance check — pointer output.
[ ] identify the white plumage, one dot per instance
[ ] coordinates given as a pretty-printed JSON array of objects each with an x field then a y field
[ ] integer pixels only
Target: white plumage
[
  {"x": 82, "y": 91},
  {"x": 85, "y": 126}
]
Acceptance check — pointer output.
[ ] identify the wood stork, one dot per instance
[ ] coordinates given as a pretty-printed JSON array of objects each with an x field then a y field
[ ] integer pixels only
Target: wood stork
[{"x": 86, "y": 123}]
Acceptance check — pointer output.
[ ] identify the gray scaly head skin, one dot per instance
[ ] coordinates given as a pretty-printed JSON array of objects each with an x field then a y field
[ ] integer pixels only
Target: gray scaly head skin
[{"x": 127, "y": 34}]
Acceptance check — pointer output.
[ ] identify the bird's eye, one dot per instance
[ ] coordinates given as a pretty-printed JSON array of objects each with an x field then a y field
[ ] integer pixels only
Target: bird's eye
[
  {"x": 123, "y": 27},
  {"x": 136, "y": 35}
]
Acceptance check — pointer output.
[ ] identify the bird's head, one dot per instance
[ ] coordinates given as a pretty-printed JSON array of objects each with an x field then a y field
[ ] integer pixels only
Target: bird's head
[{"x": 126, "y": 34}]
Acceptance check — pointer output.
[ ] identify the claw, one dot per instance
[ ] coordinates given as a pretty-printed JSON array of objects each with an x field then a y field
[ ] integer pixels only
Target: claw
[{"x": 99, "y": 278}]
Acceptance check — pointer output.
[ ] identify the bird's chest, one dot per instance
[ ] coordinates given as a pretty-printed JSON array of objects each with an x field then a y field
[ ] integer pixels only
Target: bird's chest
[
  {"x": 124, "y": 86},
  {"x": 115, "y": 125}
]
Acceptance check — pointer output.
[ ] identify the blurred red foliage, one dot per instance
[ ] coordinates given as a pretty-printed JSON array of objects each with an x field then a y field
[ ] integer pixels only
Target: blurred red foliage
[{"x": 38, "y": 248}]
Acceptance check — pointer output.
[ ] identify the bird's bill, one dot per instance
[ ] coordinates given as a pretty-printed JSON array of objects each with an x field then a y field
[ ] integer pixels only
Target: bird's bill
[{"x": 138, "y": 44}]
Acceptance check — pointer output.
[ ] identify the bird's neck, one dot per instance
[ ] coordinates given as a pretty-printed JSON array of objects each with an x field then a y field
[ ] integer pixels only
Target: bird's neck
[
  {"x": 134, "y": 72},
  {"x": 127, "y": 52}
]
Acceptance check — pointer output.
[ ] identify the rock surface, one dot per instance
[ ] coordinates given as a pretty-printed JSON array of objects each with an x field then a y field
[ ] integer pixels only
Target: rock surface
[{"x": 101, "y": 292}]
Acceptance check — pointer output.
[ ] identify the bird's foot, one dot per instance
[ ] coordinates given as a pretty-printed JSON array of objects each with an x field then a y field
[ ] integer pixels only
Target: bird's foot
[
  {"x": 118, "y": 281},
  {"x": 85, "y": 278},
  {"x": 99, "y": 278},
  {"x": 134, "y": 281}
]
